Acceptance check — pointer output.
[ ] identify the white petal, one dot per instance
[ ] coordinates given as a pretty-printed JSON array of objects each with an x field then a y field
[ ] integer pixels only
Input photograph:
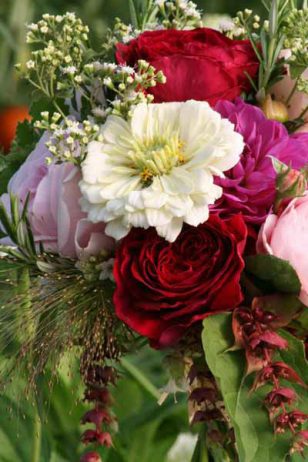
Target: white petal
[
  {"x": 117, "y": 229},
  {"x": 197, "y": 215},
  {"x": 158, "y": 217},
  {"x": 120, "y": 188},
  {"x": 137, "y": 219},
  {"x": 171, "y": 231},
  {"x": 177, "y": 182},
  {"x": 116, "y": 131}
]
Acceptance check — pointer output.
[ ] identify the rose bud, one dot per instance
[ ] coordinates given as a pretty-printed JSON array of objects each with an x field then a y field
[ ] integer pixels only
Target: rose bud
[
  {"x": 290, "y": 183},
  {"x": 275, "y": 110},
  {"x": 91, "y": 457}
]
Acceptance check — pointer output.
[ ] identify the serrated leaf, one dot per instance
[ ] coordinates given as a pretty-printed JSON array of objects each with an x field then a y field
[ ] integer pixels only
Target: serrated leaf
[
  {"x": 274, "y": 274},
  {"x": 254, "y": 433}
]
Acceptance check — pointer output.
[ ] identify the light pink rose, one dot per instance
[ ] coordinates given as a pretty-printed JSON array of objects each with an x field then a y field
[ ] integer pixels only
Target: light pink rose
[
  {"x": 286, "y": 237},
  {"x": 54, "y": 212},
  {"x": 298, "y": 102}
]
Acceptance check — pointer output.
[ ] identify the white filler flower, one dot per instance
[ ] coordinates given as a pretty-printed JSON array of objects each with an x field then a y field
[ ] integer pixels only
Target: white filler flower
[{"x": 157, "y": 169}]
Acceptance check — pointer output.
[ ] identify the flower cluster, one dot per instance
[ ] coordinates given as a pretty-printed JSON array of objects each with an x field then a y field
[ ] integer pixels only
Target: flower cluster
[
  {"x": 124, "y": 86},
  {"x": 179, "y": 14},
  {"x": 296, "y": 31},
  {"x": 56, "y": 63},
  {"x": 69, "y": 139}
]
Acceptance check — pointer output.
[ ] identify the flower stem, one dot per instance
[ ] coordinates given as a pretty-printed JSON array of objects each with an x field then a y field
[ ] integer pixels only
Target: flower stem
[
  {"x": 303, "y": 113},
  {"x": 37, "y": 437},
  {"x": 292, "y": 92},
  {"x": 140, "y": 378}
]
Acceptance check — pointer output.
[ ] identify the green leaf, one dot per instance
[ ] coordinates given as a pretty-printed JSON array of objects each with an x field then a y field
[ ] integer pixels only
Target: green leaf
[
  {"x": 255, "y": 439},
  {"x": 200, "y": 453},
  {"x": 133, "y": 13},
  {"x": 273, "y": 274}
]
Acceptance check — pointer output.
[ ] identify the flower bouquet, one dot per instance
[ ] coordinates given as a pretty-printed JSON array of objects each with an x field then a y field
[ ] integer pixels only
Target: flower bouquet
[{"x": 160, "y": 194}]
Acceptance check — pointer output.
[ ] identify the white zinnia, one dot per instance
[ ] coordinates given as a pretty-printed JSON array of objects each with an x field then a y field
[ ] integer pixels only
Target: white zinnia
[{"x": 157, "y": 169}]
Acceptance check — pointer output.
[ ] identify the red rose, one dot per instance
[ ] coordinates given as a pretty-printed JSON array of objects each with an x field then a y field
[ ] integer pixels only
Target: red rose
[
  {"x": 200, "y": 64},
  {"x": 163, "y": 288}
]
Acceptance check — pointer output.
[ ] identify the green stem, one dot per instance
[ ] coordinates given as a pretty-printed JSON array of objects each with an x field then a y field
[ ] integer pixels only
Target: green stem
[
  {"x": 140, "y": 378},
  {"x": 303, "y": 113},
  {"x": 292, "y": 92},
  {"x": 37, "y": 438},
  {"x": 56, "y": 105}
]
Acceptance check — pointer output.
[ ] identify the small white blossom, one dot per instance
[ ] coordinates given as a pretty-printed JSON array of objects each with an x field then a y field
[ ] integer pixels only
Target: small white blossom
[
  {"x": 33, "y": 27},
  {"x": 127, "y": 69},
  {"x": 30, "y": 64},
  {"x": 99, "y": 112},
  {"x": 70, "y": 70}
]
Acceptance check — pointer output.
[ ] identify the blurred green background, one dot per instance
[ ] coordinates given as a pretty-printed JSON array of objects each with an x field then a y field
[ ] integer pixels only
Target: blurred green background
[{"x": 147, "y": 431}]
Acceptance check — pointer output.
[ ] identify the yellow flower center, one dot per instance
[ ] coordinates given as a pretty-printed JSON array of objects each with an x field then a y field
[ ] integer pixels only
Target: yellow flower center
[{"x": 157, "y": 156}]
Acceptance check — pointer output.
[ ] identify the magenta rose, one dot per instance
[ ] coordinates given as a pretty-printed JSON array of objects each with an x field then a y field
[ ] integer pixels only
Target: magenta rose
[
  {"x": 286, "y": 237},
  {"x": 54, "y": 212},
  {"x": 250, "y": 186}
]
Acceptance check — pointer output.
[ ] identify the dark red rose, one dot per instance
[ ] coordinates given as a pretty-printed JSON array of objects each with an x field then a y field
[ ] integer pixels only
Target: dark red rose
[
  {"x": 200, "y": 64},
  {"x": 163, "y": 288}
]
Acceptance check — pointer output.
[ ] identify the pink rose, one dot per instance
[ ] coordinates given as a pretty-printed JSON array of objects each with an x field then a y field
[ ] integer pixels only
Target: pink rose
[
  {"x": 286, "y": 237},
  {"x": 54, "y": 212}
]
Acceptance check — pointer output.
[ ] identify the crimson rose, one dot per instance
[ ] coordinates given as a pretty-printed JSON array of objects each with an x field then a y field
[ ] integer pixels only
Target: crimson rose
[
  {"x": 163, "y": 288},
  {"x": 200, "y": 64}
]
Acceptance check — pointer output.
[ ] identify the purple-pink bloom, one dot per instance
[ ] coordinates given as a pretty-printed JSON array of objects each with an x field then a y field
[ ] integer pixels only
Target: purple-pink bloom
[
  {"x": 54, "y": 212},
  {"x": 249, "y": 187}
]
